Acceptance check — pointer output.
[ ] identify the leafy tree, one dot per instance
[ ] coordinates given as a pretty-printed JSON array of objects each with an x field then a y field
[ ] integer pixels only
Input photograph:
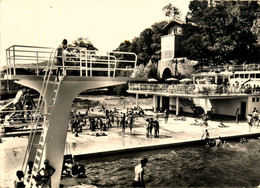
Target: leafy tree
[
  {"x": 151, "y": 69},
  {"x": 147, "y": 46},
  {"x": 223, "y": 34},
  {"x": 171, "y": 11},
  {"x": 84, "y": 42}
]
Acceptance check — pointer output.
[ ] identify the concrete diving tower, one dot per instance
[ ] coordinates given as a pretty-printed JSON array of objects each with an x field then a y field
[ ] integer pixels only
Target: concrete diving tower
[{"x": 82, "y": 70}]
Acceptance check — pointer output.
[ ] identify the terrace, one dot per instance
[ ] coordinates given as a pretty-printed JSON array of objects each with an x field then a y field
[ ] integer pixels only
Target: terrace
[{"x": 197, "y": 90}]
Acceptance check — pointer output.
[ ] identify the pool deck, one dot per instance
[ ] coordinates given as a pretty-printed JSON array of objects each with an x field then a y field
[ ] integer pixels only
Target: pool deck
[{"x": 173, "y": 133}]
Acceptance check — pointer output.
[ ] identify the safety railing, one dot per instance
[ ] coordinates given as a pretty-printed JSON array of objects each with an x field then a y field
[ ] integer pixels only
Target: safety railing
[
  {"x": 26, "y": 57},
  {"x": 232, "y": 68},
  {"x": 192, "y": 89},
  {"x": 76, "y": 61}
]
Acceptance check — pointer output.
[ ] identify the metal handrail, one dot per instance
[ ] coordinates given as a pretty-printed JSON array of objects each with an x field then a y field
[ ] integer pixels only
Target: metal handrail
[
  {"x": 87, "y": 61},
  {"x": 190, "y": 89},
  {"x": 243, "y": 67}
]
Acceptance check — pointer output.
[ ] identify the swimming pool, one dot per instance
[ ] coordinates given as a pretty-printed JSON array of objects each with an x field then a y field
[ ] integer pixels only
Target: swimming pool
[{"x": 233, "y": 165}]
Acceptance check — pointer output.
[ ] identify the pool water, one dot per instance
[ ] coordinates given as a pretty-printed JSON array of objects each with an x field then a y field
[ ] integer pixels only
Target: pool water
[{"x": 233, "y": 165}]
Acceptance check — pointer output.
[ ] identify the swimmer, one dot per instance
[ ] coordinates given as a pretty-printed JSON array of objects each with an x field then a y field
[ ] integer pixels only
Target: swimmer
[
  {"x": 139, "y": 173},
  {"x": 218, "y": 142},
  {"x": 242, "y": 140}
]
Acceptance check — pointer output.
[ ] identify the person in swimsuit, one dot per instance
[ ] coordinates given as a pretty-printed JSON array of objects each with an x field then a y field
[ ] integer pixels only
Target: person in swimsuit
[
  {"x": 139, "y": 173},
  {"x": 48, "y": 171}
]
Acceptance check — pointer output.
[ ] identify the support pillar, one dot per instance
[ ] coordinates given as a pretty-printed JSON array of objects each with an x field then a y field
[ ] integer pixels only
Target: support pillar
[
  {"x": 177, "y": 106},
  {"x": 206, "y": 106},
  {"x": 58, "y": 124},
  {"x": 136, "y": 99},
  {"x": 154, "y": 103},
  {"x": 161, "y": 102}
]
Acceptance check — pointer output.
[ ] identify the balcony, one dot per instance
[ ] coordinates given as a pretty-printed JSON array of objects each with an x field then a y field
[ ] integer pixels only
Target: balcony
[
  {"x": 192, "y": 89},
  {"x": 232, "y": 68}
]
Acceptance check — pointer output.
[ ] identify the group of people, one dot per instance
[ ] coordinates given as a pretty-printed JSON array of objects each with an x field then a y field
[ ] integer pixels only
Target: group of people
[
  {"x": 218, "y": 142},
  {"x": 23, "y": 102},
  {"x": 111, "y": 119},
  {"x": 42, "y": 179},
  {"x": 253, "y": 118},
  {"x": 73, "y": 168},
  {"x": 152, "y": 124}
]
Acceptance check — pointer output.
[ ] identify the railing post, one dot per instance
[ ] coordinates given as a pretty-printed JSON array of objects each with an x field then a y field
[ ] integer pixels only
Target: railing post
[
  {"x": 37, "y": 66},
  {"x": 80, "y": 63},
  {"x": 7, "y": 64},
  {"x": 108, "y": 64},
  {"x": 63, "y": 63},
  {"x": 14, "y": 61},
  {"x": 86, "y": 56},
  {"x": 90, "y": 67}
]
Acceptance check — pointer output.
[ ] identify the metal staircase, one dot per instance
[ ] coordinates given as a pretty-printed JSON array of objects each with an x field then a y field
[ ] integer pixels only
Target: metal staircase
[{"x": 41, "y": 146}]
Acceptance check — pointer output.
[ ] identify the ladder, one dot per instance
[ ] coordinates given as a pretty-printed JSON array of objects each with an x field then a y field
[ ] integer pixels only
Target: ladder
[{"x": 38, "y": 114}]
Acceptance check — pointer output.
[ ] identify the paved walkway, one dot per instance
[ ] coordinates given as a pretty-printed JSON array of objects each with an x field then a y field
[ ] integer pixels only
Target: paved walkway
[{"x": 12, "y": 149}]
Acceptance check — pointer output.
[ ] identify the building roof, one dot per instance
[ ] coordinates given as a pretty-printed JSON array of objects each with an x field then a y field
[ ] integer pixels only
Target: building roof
[{"x": 173, "y": 22}]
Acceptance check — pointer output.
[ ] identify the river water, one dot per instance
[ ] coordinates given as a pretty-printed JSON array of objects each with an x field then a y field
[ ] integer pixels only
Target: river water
[{"x": 233, "y": 165}]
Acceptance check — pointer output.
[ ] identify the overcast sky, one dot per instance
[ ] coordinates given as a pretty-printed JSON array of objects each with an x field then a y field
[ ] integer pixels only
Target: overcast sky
[{"x": 106, "y": 23}]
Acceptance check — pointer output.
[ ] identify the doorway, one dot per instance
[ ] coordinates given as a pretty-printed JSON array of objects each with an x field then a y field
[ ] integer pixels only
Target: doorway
[{"x": 243, "y": 110}]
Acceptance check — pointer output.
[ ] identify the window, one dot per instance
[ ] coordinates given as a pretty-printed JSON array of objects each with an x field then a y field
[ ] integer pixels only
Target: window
[
  {"x": 253, "y": 99},
  {"x": 246, "y": 75},
  {"x": 257, "y": 99},
  {"x": 257, "y": 75},
  {"x": 236, "y": 75},
  {"x": 252, "y": 75},
  {"x": 242, "y": 75}
]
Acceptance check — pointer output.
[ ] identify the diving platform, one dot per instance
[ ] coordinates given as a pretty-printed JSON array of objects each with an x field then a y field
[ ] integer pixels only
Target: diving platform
[{"x": 59, "y": 79}]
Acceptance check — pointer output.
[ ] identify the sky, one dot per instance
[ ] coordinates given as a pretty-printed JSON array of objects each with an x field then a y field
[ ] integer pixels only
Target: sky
[{"x": 106, "y": 23}]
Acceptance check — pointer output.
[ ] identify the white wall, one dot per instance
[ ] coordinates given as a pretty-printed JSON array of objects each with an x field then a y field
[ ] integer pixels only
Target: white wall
[
  {"x": 228, "y": 106},
  {"x": 255, "y": 104}
]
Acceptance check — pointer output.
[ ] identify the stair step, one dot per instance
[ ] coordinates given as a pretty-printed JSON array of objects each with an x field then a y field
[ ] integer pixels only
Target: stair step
[
  {"x": 47, "y": 115},
  {"x": 38, "y": 158}
]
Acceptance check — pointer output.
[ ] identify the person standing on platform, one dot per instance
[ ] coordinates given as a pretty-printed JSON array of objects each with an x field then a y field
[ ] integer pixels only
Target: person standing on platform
[
  {"x": 60, "y": 56},
  {"x": 131, "y": 122},
  {"x": 237, "y": 115},
  {"x": 123, "y": 123},
  {"x": 206, "y": 135},
  {"x": 48, "y": 171},
  {"x": 139, "y": 173},
  {"x": 156, "y": 129},
  {"x": 166, "y": 115}
]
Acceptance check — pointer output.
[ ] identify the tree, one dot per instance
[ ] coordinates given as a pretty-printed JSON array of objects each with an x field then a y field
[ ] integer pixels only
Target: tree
[
  {"x": 223, "y": 33},
  {"x": 147, "y": 46},
  {"x": 171, "y": 11},
  {"x": 84, "y": 42}
]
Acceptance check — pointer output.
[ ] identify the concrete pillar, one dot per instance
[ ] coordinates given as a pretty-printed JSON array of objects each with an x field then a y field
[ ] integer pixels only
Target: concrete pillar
[
  {"x": 154, "y": 102},
  {"x": 206, "y": 106},
  {"x": 58, "y": 123},
  {"x": 161, "y": 102},
  {"x": 177, "y": 106},
  {"x": 136, "y": 99}
]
